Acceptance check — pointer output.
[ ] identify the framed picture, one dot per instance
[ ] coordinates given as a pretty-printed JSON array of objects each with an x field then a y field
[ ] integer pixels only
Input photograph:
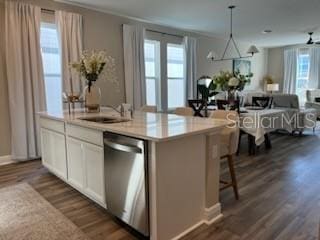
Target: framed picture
[{"x": 244, "y": 66}]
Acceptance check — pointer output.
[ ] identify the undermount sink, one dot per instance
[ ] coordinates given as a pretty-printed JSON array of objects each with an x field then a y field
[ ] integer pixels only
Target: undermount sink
[{"x": 104, "y": 120}]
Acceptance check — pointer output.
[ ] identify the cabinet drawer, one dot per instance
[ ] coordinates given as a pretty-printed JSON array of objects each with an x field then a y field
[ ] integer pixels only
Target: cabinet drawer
[
  {"x": 54, "y": 125},
  {"x": 85, "y": 134}
]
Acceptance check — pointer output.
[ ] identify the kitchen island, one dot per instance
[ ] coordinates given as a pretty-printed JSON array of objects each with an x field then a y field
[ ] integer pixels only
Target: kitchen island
[{"x": 182, "y": 164}]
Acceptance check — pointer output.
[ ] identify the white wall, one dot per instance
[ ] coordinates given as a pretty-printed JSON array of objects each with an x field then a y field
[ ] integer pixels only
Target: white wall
[{"x": 276, "y": 65}]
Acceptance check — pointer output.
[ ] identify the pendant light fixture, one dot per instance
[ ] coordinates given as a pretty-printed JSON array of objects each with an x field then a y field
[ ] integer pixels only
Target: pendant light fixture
[{"x": 252, "y": 50}]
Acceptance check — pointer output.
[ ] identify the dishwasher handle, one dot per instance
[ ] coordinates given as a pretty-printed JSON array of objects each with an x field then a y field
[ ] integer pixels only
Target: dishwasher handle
[{"x": 122, "y": 147}]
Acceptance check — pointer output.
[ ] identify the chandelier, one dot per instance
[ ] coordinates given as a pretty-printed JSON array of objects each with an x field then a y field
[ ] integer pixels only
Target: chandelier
[{"x": 252, "y": 50}]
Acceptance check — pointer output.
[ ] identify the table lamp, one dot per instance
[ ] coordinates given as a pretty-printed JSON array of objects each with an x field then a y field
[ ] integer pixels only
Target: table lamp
[{"x": 273, "y": 87}]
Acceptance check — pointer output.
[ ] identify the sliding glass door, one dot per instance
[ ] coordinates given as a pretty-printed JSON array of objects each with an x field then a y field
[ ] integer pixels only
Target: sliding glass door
[
  {"x": 152, "y": 66},
  {"x": 165, "y": 72},
  {"x": 176, "y": 79}
]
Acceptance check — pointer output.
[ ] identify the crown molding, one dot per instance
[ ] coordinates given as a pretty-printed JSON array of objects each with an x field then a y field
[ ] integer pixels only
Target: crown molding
[
  {"x": 141, "y": 20},
  {"x": 103, "y": 10}
]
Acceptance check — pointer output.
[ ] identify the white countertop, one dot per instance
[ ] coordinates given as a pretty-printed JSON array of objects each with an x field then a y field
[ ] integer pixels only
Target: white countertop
[{"x": 149, "y": 126}]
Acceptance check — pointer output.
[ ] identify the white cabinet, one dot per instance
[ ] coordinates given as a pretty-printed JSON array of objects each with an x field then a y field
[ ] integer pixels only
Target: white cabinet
[
  {"x": 53, "y": 147},
  {"x": 59, "y": 154},
  {"x": 86, "y": 169},
  {"x": 94, "y": 172},
  {"x": 75, "y": 163},
  {"x": 76, "y": 155},
  {"x": 46, "y": 148}
]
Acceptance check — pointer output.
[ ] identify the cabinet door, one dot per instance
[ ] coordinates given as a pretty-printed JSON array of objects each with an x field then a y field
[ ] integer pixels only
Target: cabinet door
[
  {"x": 94, "y": 172},
  {"x": 46, "y": 148},
  {"x": 75, "y": 163},
  {"x": 59, "y": 157}
]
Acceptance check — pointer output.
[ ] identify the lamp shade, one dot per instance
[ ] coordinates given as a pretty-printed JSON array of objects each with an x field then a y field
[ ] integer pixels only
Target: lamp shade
[
  {"x": 274, "y": 87},
  {"x": 252, "y": 50}
]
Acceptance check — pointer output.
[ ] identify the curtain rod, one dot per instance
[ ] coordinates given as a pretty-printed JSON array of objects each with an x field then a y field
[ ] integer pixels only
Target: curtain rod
[
  {"x": 47, "y": 10},
  {"x": 169, "y": 34}
]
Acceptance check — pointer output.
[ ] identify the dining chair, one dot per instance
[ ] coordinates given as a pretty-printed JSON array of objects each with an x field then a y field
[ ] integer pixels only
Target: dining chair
[
  {"x": 148, "y": 108},
  {"x": 228, "y": 146},
  {"x": 198, "y": 105},
  {"x": 233, "y": 105},
  {"x": 184, "y": 111},
  {"x": 264, "y": 102}
]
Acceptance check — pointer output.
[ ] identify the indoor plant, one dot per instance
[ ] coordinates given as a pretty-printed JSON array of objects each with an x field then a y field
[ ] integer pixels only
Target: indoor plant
[
  {"x": 231, "y": 82},
  {"x": 206, "y": 90},
  {"x": 91, "y": 67}
]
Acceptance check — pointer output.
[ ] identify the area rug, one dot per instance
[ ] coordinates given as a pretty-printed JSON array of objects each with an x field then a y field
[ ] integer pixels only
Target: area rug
[{"x": 26, "y": 215}]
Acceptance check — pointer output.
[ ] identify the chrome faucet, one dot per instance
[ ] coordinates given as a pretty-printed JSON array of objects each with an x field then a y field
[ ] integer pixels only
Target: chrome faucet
[{"x": 121, "y": 111}]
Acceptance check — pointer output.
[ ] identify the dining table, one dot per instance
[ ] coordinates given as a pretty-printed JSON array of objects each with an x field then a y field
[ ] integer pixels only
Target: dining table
[{"x": 258, "y": 123}]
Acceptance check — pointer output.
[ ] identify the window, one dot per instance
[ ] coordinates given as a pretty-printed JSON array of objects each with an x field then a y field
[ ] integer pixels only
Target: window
[
  {"x": 152, "y": 67},
  {"x": 51, "y": 66},
  {"x": 165, "y": 83},
  {"x": 176, "y": 82},
  {"x": 302, "y": 76}
]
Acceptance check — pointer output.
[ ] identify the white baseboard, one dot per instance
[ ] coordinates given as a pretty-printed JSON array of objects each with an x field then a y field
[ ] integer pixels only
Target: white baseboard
[
  {"x": 5, "y": 160},
  {"x": 188, "y": 230},
  {"x": 211, "y": 215}
]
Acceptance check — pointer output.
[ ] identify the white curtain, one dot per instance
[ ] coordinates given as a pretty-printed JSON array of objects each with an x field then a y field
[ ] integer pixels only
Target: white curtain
[
  {"x": 134, "y": 65},
  {"x": 290, "y": 70},
  {"x": 191, "y": 65},
  {"x": 25, "y": 77},
  {"x": 314, "y": 72},
  {"x": 69, "y": 27}
]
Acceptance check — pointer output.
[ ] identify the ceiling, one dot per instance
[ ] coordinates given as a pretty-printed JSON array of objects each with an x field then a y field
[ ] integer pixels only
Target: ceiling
[{"x": 289, "y": 20}]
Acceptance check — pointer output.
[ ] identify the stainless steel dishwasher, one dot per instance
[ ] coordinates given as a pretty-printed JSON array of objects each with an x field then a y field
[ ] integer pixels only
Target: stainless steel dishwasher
[{"x": 126, "y": 180}]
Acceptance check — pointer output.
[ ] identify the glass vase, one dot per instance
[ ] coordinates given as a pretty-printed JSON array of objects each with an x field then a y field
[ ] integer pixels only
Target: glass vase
[
  {"x": 92, "y": 97},
  {"x": 232, "y": 95}
]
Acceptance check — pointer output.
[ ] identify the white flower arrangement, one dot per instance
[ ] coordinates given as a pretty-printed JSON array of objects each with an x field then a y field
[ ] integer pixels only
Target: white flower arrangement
[
  {"x": 92, "y": 64},
  {"x": 226, "y": 80},
  {"x": 233, "y": 82}
]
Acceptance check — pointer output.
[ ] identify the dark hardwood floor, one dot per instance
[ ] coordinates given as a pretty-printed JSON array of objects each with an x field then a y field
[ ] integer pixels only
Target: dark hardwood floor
[{"x": 279, "y": 195}]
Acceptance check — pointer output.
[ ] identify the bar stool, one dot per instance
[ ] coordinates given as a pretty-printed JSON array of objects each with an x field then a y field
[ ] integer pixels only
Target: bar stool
[{"x": 229, "y": 146}]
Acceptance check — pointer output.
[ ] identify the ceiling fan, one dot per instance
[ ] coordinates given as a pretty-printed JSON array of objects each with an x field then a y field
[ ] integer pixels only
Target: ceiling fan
[{"x": 311, "y": 41}]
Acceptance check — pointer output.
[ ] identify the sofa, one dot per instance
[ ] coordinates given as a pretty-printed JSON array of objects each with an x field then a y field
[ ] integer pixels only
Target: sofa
[
  {"x": 311, "y": 100},
  {"x": 301, "y": 119},
  {"x": 246, "y": 97},
  {"x": 285, "y": 101}
]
